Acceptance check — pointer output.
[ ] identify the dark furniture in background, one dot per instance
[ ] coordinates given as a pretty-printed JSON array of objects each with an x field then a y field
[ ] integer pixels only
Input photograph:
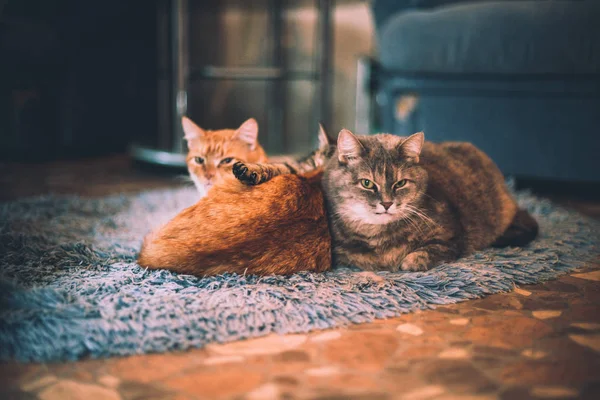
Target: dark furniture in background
[
  {"x": 177, "y": 72},
  {"x": 81, "y": 78},
  {"x": 518, "y": 78},
  {"x": 77, "y": 78}
]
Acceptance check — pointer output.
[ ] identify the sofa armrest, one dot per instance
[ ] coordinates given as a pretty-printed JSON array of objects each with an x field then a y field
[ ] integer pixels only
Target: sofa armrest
[{"x": 383, "y": 9}]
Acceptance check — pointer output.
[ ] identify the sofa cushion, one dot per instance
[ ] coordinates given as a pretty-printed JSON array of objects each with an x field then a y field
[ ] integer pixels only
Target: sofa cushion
[{"x": 539, "y": 37}]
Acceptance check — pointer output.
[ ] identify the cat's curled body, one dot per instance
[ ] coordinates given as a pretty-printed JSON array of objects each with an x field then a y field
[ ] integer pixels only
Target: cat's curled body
[
  {"x": 276, "y": 228},
  {"x": 398, "y": 203},
  {"x": 451, "y": 201}
]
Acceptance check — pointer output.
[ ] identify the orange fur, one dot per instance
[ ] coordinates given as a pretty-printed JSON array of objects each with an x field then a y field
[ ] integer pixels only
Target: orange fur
[
  {"x": 279, "y": 227},
  {"x": 212, "y": 147}
]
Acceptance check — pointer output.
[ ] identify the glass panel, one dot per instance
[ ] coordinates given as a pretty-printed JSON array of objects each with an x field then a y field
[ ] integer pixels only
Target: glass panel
[
  {"x": 219, "y": 104},
  {"x": 300, "y": 124},
  {"x": 299, "y": 44},
  {"x": 229, "y": 33},
  {"x": 237, "y": 33}
]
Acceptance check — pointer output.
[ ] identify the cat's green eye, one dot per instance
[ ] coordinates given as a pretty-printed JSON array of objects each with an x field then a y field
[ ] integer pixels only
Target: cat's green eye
[
  {"x": 401, "y": 183},
  {"x": 199, "y": 160},
  {"x": 226, "y": 160},
  {"x": 367, "y": 184}
]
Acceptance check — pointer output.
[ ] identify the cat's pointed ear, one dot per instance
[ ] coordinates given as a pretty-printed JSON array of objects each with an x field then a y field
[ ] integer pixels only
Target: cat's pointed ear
[
  {"x": 248, "y": 132},
  {"x": 191, "y": 130},
  {"x": 349, "y": 147},
  {"x": 324, "y": 140},
  {"x": 412, "y": 146}
]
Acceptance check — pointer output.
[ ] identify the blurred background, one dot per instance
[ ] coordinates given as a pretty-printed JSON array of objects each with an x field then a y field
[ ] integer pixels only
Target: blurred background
[
  {"x": 83, "y": 78},
  {"x": 519, "y": 78}
]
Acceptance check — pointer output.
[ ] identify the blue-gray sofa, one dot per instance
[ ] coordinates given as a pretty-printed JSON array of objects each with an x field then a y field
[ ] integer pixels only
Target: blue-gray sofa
[{"x": 518, "y": 78}]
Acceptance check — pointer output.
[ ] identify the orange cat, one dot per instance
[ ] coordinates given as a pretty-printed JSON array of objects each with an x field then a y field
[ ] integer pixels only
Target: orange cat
[
  {"x": 212, "y": 153},
  {"x": 279, "y": 227}
]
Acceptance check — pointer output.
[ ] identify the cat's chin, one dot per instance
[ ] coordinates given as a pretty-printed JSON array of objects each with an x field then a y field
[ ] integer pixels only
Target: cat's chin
[{"x": 201, "y": 187}]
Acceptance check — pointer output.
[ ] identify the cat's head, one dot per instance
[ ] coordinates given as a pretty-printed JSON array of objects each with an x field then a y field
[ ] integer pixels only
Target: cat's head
[
  {"x": 212, "y": 153},
  {"x": 375, "y": 179}
]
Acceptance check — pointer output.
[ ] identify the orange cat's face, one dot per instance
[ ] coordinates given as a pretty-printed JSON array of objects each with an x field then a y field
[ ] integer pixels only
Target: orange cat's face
[{"x": 212, "y": 153}]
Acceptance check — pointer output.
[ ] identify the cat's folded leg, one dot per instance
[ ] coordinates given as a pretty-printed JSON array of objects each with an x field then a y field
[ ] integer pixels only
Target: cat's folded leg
[
  {"x": 255, "y": 174},
  {"x": 431, "y": 254}
]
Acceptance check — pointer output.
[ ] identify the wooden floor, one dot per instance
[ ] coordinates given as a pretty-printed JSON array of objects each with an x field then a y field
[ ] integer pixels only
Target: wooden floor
[
  {"x": 537, "y": 342},
  {"x": 91, "y": 177}
]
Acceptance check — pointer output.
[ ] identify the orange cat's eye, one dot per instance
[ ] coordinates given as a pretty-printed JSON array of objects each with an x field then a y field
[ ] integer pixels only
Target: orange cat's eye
[
  {"x": 199, "y": 160},
  {"x": 226, "y": 161}
]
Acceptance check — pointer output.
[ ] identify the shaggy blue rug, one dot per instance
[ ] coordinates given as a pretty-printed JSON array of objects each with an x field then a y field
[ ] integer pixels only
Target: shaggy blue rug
[{"x": 70, "y": 287}]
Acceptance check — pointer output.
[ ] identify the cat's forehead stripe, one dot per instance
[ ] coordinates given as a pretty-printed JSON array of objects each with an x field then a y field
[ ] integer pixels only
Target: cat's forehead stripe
[
  {"x": 212, "y": 148},
  {"x": 391, "y": 172},
  {"x": 215, "y": 147},
  {"x": 381, "y": 161}
]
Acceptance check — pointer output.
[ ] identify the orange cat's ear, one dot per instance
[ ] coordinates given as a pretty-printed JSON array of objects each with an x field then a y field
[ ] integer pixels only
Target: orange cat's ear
[
  {"x": 191, "y": 130},
  {"x": 412, "y": 146},
  {"x": 349, "y": 147},
  {"x": 248, "y": 132}
]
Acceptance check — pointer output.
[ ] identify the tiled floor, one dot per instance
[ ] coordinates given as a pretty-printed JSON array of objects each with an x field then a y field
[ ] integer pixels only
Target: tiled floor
[{"x": 540, "y": 342}]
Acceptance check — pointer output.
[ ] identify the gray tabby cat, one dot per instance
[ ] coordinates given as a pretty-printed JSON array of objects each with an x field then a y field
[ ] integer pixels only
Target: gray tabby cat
[{"x": 398, "y": 203}]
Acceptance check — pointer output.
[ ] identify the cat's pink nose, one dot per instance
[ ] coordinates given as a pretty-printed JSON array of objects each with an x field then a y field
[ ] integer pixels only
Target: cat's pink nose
[{"x": 387, "y": 204}]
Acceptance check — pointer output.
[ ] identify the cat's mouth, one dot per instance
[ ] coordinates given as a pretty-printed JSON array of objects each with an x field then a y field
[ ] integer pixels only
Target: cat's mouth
[
  {"x": 208, "y": 183},
  {"x": 202, "y": 187},
  {"x": 383, "y": 217},
  {"x": 367, "y": 215}
]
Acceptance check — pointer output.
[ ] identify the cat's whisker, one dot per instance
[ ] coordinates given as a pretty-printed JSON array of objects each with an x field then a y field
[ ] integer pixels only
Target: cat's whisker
[
  {"x": 414, "y": 223},
  {"x": 420, "y": 226},
  {"x": 427, "y": 222},
  {"x": 422, "y": 215}
]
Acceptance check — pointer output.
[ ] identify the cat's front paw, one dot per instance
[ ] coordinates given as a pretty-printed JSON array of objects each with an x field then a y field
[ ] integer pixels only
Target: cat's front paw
[
  {"x": 415, "y": 261},
  {"x": 245, "y": 174}
]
